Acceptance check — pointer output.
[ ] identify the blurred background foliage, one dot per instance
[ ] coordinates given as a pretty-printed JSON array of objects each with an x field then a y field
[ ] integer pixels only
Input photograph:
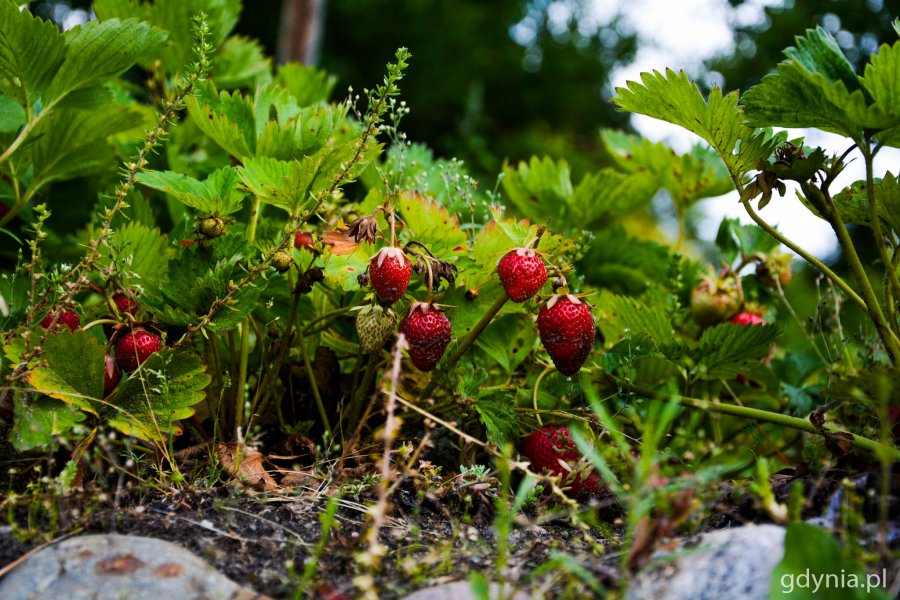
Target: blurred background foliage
[{"x": 506, "y": 79}]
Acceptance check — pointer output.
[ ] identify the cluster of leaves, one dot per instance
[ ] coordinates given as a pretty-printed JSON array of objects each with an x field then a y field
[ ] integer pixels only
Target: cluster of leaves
[{"x": 262, "y": 156}]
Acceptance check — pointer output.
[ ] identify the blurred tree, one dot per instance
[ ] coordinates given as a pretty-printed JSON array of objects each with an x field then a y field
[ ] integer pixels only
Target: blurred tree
[{"x": 859, "y": 26}]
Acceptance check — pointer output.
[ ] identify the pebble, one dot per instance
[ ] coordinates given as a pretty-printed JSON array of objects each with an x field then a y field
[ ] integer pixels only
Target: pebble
[
  {"x": 730, "y": 563},
  {"x": 460, "y": 590},
  {"x": 111, "y": 567}
]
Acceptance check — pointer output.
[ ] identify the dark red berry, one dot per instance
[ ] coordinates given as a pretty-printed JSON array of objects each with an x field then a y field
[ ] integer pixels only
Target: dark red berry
[
  {"x": 567, "y": 331},
  {"x": 136, "y": 346},
  {"x": 546, "y": 447},
  {"x": 125, "y": 303},
  {"x": 522, "y": 273},
  {"x": 427, "y": 332},
  {"x": 111, "y": 375},
  {"x": 65, "y": 317},
  {"x": 389, "y": 273}
]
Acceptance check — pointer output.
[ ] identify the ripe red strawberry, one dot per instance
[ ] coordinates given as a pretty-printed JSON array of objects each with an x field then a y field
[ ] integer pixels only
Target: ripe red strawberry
[
  {"x": 66, "y": 317},
  {"x": 389, "y": 273},
  {"x": 125, "y": 303},
  {"x": 567, "y": 332},
  {"x": 427, "y": 332},
  {"x": 522, "y": 273},
  {"x": 136, "y": 346},
  {"x": 748, "y": 318},
  {"x": 546, "y": 447},
  {"x": 111, "y": 375}
]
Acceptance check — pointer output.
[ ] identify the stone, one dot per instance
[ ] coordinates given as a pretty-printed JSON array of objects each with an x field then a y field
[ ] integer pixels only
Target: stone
[
  {"x": 111, "y": 567},
  {"x": 460, "y": 590},
  {"x": 729, "y": 563}
]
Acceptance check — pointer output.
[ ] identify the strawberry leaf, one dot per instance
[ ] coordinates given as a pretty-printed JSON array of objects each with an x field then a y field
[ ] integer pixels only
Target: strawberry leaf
[
  {"x": 307, "y": 85},
  {"x": 144, "y": 252},
  {"x": 218, "y": 194},
  {"x": 425, "y": 219},
  {"x": 498, "y": 414},
  {"x": 71, "y": 369},
  {"x": 30, "y": 55},
  {"x": 37, "y": 420},
  {"x": 853, "y": 202},
  {"x": 628, "y": 316},
  {"x": 154, "y": 398},
  {"x": 508, "y": 340},
  {"x": 175, "y": 17},
  {"x": 724, "y": 348},
  {"x": 241, "y": 62},
  {"x": 718, "y": 120}
]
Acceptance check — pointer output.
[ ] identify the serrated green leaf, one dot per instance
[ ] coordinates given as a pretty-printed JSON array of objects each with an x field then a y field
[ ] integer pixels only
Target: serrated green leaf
[
  {"x": 723, "y": 348},
  {"x": 498, "y": 414},
  {"x": 719, "y": 120},
  {"x": 853, "y": 202},
  {"x": 425, "y": 219},
  {"x": 816, "y": 87},
  {"x": 306, "y": 84},
  {"x": 143, "y": 252},
  {"x": 539, "y": 189},
  {"x": 74, "y": 142},
  {"x": 508, "y": 340},
  {"x": 198, "y": 276},
  {"x": 241, "y": 62},
  {"x": 98, "y": 51},
  {"x": 605, "y": 264},
  {"x": 734, "y": 240},
  {"x": 687, "y": 177},
  {"x": 606, "y": 195},
  {"x": 12, "y": 115},
  {"x": 228, "y": 118},
  {"x": 71, "y": 369},
  {"x": 175, "y": 17},
  {"x": 284, "y": 184},
  {"x": 626, "y": 316},
  {"x": 31, "y": 51},
  {"x": 218, "y": 194},
  {"x": 37, "y": 421},
  {"x": 161, "y": 392}
]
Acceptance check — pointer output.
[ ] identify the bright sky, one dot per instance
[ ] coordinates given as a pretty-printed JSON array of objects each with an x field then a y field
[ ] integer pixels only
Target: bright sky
[{"x": 682, "y": 34}]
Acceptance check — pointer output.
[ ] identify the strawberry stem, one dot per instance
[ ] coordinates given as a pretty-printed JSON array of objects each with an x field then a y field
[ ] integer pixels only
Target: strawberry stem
[
  {"x": 467, "y": 341},
  {"x": 766, "y": 416}
]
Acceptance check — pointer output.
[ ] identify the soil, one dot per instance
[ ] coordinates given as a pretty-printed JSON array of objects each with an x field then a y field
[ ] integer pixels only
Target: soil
[{"x": 264, "y": 540}]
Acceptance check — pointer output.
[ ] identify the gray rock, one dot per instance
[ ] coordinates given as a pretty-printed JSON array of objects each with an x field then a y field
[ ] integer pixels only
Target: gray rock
[
  {"x": 459, "y": 590},
  {"x": 111, "y": 567},
  {"x": 729, "y": 563}
]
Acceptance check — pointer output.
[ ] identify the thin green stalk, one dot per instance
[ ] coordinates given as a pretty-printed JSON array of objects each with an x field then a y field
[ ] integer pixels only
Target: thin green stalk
[
  {"x": 312, "y": 381},
  {"x": 892, "y": 286},
  {"x": 467, "y": 341},
  {"x": 766, "y": 416},
  {"x": 815, "y": 262},
  {"x": 888, "y": 338},
  {"x": 245, "y": 336}
]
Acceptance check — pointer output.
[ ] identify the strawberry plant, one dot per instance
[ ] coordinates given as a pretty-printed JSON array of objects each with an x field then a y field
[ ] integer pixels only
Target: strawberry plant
[{"x": 254, "y": 263}]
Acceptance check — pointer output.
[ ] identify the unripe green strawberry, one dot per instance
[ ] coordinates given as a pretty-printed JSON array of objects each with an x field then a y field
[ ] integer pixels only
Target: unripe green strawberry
[
  {"x": 389, "y": 273},
  {"x": 282, "y": 261},
  {"x": 567, "y": 331},
  {"x": 136, "y": 346},
  {"x": 427, "y": 332},
  {"x": 65, "y": 317},
  {"x": 776, "y": 267},
  {"x": 374, "y": 325},
  {"x": 715, "y": 300},
  {"x": 211, "y": 227},
  {"x": 522, "y": 273}
]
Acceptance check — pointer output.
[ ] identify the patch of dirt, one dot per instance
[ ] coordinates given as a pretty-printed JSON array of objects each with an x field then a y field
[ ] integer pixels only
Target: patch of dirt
[{"x": 264, "y": 540}]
